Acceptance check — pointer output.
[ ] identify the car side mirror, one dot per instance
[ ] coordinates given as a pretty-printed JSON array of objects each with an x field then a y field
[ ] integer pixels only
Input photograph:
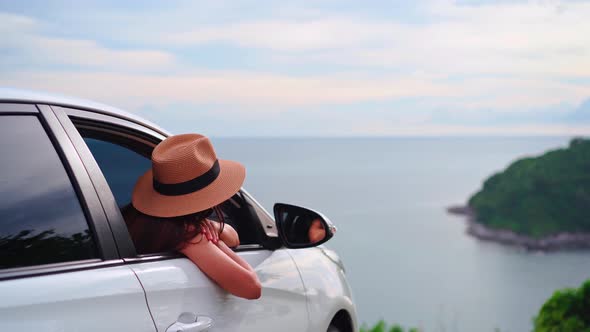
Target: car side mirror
[{"x": 299, "y": 227}]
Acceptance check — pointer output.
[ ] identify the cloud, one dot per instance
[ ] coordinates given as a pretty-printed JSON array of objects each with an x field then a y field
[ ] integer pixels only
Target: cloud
[
  {"x": 24, "y": 39},
  {"x": 269, "y": 92},
  {"x": 530, "y": 39},
  {"x": 464, "y": 65},
  {"x": 90, "y": 54},
  {"x": 293, "y": 35},
  {"x": 582, "y": 113},
  {"x": 15, "y": 23},
  {"x": 380, "y": 129}
]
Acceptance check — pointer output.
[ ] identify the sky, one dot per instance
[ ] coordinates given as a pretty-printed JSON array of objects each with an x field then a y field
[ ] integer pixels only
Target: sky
[{"x": 313, "y": 68}]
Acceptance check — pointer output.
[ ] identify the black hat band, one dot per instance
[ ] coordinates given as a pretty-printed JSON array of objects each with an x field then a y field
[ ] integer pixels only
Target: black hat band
[{"x": 190, "y": 186}]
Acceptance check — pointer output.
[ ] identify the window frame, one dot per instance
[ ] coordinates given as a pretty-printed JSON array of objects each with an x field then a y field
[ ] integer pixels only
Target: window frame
[
  {"x": 85, "y": 192},
  {"x": 70, "y": 118}
]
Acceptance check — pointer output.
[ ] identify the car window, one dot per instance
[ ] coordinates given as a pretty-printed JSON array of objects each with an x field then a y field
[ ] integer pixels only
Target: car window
[
  {"x": 120, "y": 165},
  {"x": 41, "y": 219},
  {"x": 263, "y": 218},
  {"x": 123, "y": 161},
  {"x": 236, "y": 214}
]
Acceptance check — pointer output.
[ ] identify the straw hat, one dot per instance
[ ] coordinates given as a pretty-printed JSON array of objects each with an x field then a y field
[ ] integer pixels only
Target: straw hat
[{"x": 186, "y": 177}]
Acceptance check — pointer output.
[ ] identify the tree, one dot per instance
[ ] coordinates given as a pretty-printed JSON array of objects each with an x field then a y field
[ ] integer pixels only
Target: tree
[
  {"x": 568, "y": 310},
  {"x": 540, "y": 196}
]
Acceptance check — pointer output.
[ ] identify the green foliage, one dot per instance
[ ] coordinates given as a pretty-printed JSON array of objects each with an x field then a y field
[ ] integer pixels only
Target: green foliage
[
  {"x": 382, "y": 327},
  {"x": 396, "y": 328},
  {"x": 539, "y": 196},
  {"x": 567, "y": 310}
]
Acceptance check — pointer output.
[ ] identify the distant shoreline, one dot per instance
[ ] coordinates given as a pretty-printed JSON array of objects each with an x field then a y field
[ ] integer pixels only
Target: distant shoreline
[{"x": 560, "y": 241}]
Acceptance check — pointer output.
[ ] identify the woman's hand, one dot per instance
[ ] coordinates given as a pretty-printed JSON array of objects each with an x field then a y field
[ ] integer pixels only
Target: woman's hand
[{"x": 210, "y": 231}]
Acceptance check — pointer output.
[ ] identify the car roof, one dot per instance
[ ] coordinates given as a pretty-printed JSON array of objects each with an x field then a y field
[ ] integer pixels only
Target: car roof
[{"x": 38, "y": 97}]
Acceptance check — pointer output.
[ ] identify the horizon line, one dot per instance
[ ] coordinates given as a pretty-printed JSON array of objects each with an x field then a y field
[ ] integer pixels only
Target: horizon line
[{"x": 397, "y": 136}]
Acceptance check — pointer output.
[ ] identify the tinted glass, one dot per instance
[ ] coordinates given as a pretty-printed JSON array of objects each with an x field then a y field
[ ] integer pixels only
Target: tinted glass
[
  {"x": 120, "y": 166},
  {"x": 41, "y": 220}
]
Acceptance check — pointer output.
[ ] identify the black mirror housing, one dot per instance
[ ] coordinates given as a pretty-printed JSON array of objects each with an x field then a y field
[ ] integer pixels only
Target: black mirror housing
[{"x": 299, "y": 227}]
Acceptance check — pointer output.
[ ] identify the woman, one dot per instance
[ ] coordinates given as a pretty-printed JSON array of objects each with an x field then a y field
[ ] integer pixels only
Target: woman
[{"x": 171, "y": 204}]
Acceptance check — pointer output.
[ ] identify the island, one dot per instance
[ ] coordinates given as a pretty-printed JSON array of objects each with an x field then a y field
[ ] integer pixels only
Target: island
[{"x": 539, "y": 203}]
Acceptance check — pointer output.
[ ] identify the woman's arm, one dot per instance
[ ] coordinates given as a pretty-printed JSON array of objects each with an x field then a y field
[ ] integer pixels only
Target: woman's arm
[
  {"x": 228, "y": 235},
  {"x": 222, "y": 265},
  {"x": 236, "y": 258}
]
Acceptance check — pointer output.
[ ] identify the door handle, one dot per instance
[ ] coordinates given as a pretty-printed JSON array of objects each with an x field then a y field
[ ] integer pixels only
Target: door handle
[{"x": 189, "y": 322}]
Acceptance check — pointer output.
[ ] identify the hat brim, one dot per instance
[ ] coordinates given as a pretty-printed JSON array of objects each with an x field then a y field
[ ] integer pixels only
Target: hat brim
[{"x": 148, "y": 201}]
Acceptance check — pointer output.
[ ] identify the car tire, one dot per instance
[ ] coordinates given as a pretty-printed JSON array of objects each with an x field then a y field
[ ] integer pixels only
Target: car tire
[{"x": 333, "y": 328}]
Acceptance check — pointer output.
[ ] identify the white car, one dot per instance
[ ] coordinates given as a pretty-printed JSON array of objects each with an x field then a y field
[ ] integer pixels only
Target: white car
[{"x": 68, "y": 263}]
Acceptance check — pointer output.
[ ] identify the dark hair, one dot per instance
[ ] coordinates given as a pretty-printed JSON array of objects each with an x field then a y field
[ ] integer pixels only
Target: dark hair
[{"x": 157, "y": 234}]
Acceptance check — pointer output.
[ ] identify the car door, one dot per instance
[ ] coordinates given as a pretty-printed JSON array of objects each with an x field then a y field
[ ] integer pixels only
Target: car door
[
  {"x": 59, "y": 266},
  {"x": 116, "y": 152}
]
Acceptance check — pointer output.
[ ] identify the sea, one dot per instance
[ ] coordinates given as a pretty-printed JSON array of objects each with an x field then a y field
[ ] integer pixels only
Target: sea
[{"x": 408, "y": 261}]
